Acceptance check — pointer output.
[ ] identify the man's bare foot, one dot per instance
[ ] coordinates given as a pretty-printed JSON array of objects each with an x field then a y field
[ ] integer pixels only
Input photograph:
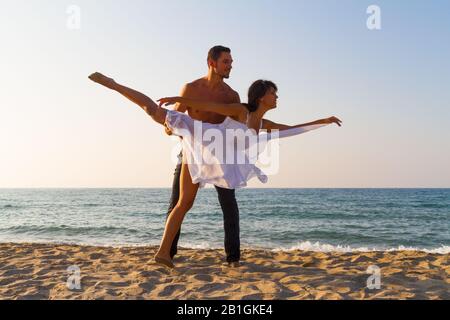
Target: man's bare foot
[
  {"x": 165, "y": 262},
  {"x": 103, "y": 80}
]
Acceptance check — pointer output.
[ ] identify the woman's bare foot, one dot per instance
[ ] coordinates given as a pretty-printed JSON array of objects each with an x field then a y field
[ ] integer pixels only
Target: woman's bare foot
[
  {"x": 167, "y": 262},
  {"x": 103, "y": 80}
]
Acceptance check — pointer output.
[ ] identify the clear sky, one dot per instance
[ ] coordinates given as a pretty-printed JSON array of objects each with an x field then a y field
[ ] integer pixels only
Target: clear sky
[{"x": 389, "y": 86}]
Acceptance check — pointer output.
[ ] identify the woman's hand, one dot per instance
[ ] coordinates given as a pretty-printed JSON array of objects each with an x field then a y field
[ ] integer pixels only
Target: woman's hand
[
  {"x": 169, "y": 101},
  {"x": 333, "y": 120},
  {"x": 167, "y": 130}
]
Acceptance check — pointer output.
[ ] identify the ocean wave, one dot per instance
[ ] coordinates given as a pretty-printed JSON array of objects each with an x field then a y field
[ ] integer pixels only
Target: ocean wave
[
  {"x": 303, "y": 246},
  {"x": 323, "y": 247},
  {"x": 77, "y": 243},
  {"x": 90, "y": 205},
  {"x": 76, "y": 230},
  {"x": 9, "y": 206},
  {"x": 432, "y": 205},
  {"x": 201, "y": 245}
]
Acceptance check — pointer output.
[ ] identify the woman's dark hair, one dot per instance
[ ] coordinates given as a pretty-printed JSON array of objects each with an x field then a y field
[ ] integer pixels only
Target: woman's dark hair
[{"x": 256, "y": 91}]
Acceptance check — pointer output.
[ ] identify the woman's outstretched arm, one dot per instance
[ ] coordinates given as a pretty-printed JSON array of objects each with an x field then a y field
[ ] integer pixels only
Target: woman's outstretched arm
[
  {"x": 226, "y": 109},
  {"x": 148, "y": 105},
  {"x": 270, "y": 125}
]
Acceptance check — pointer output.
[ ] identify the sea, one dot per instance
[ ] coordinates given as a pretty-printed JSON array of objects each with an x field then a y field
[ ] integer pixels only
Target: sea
[{"x": 344, "y": 220}]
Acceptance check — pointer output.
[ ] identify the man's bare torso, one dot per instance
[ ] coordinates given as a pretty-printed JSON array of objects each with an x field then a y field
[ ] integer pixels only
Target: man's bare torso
[{"x": 200, "y": 90}]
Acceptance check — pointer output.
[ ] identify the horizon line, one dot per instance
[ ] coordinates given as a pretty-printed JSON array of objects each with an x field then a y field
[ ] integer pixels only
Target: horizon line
[{"x": 253, "y": 188}]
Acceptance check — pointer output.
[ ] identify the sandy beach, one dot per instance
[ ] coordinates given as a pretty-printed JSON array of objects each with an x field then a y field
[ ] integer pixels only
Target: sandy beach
[{"x": 40, "y": 271}]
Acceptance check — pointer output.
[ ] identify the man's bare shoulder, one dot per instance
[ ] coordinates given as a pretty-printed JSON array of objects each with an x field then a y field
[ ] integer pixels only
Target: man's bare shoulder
[
  {"x": 196, "y": 84},
  {"x": 200, "y": 87},
  {"x": 191, "y": 88},
  {"x": 227, "y": 87},
  {"x": 234, "y": 96}
]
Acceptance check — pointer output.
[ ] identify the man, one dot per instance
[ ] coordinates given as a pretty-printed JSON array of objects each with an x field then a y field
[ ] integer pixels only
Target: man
[{"x": 212, "y": 88}]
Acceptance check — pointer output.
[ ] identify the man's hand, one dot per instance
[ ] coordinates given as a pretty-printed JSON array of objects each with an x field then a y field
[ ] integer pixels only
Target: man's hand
[
  {"x": 169, "y": 101},
  {"x": 178, "y": 106}
]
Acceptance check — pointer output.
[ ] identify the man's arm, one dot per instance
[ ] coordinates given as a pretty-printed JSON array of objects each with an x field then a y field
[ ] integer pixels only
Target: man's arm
[{"x": 226, "y": 109}]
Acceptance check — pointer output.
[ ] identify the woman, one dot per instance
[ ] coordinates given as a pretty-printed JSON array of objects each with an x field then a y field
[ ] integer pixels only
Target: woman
[{"x": 262, "y": 97}]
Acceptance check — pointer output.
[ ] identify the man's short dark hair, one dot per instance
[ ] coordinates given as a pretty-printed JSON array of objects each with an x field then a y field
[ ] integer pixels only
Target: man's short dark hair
[{"x": 215, "y": 52}]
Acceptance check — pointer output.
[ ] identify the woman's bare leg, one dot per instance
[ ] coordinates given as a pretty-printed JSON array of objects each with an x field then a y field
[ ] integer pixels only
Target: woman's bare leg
[
  {"x": 188, "y": 192},
  {"x": 148, "y": 105}
]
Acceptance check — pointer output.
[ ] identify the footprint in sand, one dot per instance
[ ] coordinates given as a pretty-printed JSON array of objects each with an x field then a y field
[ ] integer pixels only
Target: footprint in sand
[
  {"x": 6, "y": 282},
  {"x": 268, "y": 287},
  {"x": 33, "y": 296},
  {"x": 213, "y": 287},
  {"x": 118, "y": 284},
  {"x": 203, "y": 278},
  {"x": 147, "y": 287},
  {"x": 17, "y": 272},
  {"x": 170, "y": 290},
  {"x": 254, "y": 296},
  {"x": 96, "y": 256}
]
